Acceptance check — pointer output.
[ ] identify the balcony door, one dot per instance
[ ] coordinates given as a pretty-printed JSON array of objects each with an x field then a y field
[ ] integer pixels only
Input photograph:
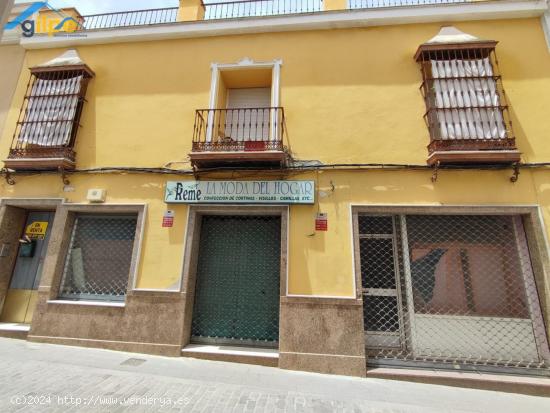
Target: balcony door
[{"x": 248, "y": 114}]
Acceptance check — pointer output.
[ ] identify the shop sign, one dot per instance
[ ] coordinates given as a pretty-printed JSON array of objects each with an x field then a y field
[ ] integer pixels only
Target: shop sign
[
  {"x": 37, "y": 230},
  {"x": 240, "y": 192},
  {"x": 168, "y": 219},
  {"x": 321, "y": 222}
]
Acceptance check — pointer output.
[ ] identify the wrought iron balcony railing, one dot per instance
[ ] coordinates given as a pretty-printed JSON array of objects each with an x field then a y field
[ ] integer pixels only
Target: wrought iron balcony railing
[
  {"x": 239, "y": 130},
  {"x": 216, "y": 10},
  {"x": 255, "y": 8},
  {"x": 130, "y": 18},
  {"x": 374, "y": 4}
]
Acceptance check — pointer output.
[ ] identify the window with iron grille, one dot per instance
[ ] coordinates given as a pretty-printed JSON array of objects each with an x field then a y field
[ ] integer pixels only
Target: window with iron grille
[
  {"x": 466, "y": 106},
  {"x": 98, "y": 262},
  {"x": 49, "y": 118},
  {"x": 453, "y": 289}
]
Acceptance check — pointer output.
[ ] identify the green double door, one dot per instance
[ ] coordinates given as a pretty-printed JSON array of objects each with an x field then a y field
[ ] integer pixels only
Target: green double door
[{"x": 237, "y": 284}]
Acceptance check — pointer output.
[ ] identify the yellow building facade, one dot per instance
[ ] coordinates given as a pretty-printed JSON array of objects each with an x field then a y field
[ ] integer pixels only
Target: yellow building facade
[{"x": 382, "y": 256}]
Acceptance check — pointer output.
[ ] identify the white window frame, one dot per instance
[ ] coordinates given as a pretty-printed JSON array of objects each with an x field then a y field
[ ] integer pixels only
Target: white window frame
[{"x": 244, "y": 64}]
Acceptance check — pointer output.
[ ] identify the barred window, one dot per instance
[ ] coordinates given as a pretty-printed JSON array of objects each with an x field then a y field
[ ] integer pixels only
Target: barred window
[
  {"x": 463, "y": 100},
  {"x": 49, "y": 118},
  {"x": 99, "y": 257},
  {"x": 52, "y": 107},
  {"x": 50, "y": 111},
  {"x": 462, "y": 89}
]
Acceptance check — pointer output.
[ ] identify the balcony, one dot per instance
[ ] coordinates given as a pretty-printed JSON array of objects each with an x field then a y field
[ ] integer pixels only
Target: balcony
[
  {"x": 49, "y": 119},
  {"x": 237, "y": 137},
  {"x": 467, "y": 112},
  {"x": 36, "y": 157},
  {"x": 475, "y": 151}
]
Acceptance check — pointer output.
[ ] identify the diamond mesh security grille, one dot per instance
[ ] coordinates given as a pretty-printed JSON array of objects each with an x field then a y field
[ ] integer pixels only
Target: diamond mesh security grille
[
  {"x": 100, "y": 253},
  {"x": 237, "y": 286},
  {"x": 450, "y": 289}
]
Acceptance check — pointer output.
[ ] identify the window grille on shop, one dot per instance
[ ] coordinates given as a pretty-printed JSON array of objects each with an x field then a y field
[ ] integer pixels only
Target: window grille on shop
[
  {"x": 450, "y": 289},
  {"x": 98, "y": 262}
]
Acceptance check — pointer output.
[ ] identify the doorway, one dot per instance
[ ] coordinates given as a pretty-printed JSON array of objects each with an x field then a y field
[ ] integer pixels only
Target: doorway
[
  {"x": 442, "y": 289},
  {"x": 248, "y": 114},
  {"x": 237, "y": 289},
  {"x": 31, "y": 251}
]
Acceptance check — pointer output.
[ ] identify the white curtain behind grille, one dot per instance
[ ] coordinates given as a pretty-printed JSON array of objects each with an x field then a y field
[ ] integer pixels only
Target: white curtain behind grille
[
  {"x": 50, "y": 113},
  {"x": 462, "y": 103}
]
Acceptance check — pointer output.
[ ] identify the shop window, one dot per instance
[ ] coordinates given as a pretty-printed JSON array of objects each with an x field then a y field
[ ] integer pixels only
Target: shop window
[
  {"x": 99, "y": 258},
  {"x": 449, "y": 289},
  {"x": 466, "y": 266}
]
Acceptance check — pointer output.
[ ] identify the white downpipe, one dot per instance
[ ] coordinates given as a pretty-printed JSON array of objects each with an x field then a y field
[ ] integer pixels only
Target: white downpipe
[
  {"x": 212, "y": 102},
  {"x": 408, "y": 283},
  {"x": 275, "y": 81},
  {"x": 545, "y": 22}
]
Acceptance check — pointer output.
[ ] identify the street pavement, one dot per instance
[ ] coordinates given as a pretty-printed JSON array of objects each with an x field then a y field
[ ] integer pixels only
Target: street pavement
[{"x": 51, "y": 378}]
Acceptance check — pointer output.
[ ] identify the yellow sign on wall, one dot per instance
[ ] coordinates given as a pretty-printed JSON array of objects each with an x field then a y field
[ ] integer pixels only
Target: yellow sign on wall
[{"x": 37, "y": 230}]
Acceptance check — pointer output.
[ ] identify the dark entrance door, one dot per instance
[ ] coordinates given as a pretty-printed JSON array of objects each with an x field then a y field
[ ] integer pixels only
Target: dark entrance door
[{"x": 237, "y": 287}]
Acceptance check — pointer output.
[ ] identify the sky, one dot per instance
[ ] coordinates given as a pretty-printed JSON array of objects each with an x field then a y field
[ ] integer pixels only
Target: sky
[
  {"x": 86, "y": 7},
  {"x": 107, "y": 6}
]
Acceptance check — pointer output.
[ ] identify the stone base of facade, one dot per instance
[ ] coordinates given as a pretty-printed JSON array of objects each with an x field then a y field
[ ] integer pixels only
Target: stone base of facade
[
  {"x": 323, "y": 363},
  {"x": 534, "y": 386},
  {"x": 149, "y": 322},
  {"x": 310, "y": 343},
  {"x": 131, "y": 347}
]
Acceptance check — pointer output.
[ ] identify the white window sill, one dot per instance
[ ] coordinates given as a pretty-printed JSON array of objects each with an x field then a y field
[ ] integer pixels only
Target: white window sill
[
  {"x": 89, "y": 303},
  {"x": 155, "y": 290}
]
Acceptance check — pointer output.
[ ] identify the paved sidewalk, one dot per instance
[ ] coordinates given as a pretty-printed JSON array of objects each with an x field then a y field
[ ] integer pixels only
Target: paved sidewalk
[{"x": 42, "y": 377}]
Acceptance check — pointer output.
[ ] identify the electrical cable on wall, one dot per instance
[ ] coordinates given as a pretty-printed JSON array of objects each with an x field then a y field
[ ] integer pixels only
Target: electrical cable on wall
[{"x": 286, "y": 171}]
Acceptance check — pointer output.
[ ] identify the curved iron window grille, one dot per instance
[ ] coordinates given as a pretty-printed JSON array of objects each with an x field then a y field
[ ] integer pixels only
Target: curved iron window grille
[
  {"x": 50, "y": 115},
  {"x": 466, "y": 107}
]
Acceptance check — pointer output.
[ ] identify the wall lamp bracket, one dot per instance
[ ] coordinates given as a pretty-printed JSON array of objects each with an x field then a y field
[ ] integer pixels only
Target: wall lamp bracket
[{"x": 8, "y": 176}]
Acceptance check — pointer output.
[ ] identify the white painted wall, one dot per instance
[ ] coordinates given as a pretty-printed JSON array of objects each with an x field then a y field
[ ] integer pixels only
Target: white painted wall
[
  {"x": 545, "y": 21},
  {"x": 5, "y": 9}
]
